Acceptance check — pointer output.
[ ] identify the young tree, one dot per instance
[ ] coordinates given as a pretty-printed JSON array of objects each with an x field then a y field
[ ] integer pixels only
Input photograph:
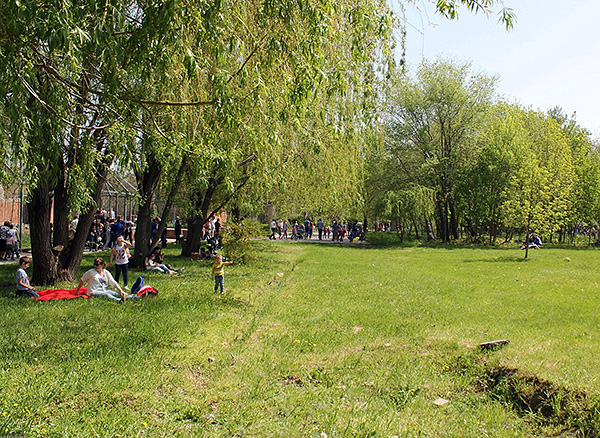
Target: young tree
[
  {"x": 71, "y": 78},
  {"x": 540, "y": 193}
]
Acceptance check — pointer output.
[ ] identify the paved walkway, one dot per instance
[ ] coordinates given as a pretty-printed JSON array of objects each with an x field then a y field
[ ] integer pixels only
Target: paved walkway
[{"x": 316, "y": 240}]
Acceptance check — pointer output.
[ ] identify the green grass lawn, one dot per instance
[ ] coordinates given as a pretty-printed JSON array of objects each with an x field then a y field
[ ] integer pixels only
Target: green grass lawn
[{"x": 314, "y": 340}]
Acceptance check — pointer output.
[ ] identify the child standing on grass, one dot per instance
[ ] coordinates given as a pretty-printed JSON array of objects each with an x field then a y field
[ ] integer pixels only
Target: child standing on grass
[
  {"x": 23, "y": 287},
  {"x": 218, "y": 272},
  {"x": 121, "y": 254}
]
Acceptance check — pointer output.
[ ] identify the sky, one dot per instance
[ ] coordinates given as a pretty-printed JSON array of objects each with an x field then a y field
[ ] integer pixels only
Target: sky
[{"x": 551, "y": 57}]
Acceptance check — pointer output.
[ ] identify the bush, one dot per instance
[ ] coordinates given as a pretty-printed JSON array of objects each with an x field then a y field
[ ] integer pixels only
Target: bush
[{"x": 236, "y": 239}]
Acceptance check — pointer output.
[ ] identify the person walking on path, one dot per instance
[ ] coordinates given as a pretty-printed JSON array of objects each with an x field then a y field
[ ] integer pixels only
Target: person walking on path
[
  {"x": 320, "y": 229},
  {"x": 307, "y": 229},
  {"x": 335, "y": 229},
  {"x": 284, "y": 234}
]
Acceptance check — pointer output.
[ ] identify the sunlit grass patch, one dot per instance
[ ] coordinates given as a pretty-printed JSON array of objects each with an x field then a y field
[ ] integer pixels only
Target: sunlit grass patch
[{"x": 312, "y": 339}]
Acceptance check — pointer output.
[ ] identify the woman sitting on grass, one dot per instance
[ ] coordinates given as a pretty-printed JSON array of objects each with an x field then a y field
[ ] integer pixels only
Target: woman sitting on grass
[
  {"x": 98, "y": 279},
  {"x": 153, "y": 263}
]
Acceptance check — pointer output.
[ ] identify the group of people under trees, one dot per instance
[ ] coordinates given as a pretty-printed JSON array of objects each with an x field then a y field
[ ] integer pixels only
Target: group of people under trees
[
  {"x": 100, "y": 281},
  {"x": 337, "y": 232},
  {"x": 105, "y": 229},
  {"x": 9, "y": 241}
]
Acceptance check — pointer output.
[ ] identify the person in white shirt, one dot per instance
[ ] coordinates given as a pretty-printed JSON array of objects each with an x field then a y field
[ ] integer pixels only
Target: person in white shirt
[
  {"x": 73, "y": 225},
  {"x": 121, "y": 254},
  {"x": 99, "y": 279}
]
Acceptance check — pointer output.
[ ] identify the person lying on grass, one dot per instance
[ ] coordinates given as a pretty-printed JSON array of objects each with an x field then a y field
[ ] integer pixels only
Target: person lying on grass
[{"x": 98, "y": 279}]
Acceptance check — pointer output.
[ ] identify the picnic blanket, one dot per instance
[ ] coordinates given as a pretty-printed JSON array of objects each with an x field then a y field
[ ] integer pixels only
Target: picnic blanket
[
  {"x": 62, "y": 294},
  {"x": 69, "y": 294}
]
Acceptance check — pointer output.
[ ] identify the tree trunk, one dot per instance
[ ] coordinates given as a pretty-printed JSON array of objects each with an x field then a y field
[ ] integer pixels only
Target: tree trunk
[
  {"x": 75, "y": 253},
  {"x": 60, "y": 223},
  {"x": 169, "y": 202},
  {"x": 400, "y": 232},
  {"x": 492, "y": 230},
  {"x": 60, "y": 229},
  {"x": 453, "y": 218},
  {"x": 66, "y": 162},
  {"x": 442, "y": 224},
  {"x": 147, "y": 183},
  {"x": 142, "y": 233},
  {"x": 199, "y": 218},
  {"x": 40, "y": 204},
  {"x": 196, "y": 223},
  {"x": 416, "y": 228},
  {"x": 194, "y": 236},
  {"x": 44, "y": 260}
]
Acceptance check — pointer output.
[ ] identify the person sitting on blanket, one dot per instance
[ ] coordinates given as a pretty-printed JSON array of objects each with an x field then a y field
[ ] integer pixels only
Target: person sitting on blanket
[{"x": 98, "y": 279}]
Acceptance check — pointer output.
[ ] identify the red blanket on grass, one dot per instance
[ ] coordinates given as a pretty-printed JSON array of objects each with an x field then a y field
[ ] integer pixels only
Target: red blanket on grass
[
  {"x": 68, "y": 294},
  {"x": 61, "y": 294}
]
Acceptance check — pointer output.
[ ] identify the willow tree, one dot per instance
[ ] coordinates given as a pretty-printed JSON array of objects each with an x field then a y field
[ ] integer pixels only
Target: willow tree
[
  {"x": 293, "y": 82},
  {"x": 320, "y": 169},
  {"x": 394, "y": 190},
  {"x": 277, "y": 59},
  {"x": 73, "y": 82},
  {"x": 59, "y": 71}
]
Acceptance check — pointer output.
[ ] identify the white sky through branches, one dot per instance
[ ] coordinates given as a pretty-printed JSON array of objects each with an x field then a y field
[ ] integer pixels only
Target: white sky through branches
[{"x": 550, "y": 58}]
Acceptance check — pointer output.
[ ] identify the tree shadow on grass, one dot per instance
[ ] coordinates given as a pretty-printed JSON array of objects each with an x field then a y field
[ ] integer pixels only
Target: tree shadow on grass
[{"x": 504, "y": 259}]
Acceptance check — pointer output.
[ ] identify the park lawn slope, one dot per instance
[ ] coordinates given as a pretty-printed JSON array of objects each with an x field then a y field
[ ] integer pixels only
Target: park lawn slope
[{"x": 316, "y": 339}]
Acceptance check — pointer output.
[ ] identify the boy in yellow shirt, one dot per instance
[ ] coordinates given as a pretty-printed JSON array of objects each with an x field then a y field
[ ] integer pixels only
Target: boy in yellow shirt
[{"x": 218, "y": 272}]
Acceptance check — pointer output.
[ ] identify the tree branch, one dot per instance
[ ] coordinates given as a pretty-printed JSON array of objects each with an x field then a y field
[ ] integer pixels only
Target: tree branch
[{"x": 254, "y": 50}]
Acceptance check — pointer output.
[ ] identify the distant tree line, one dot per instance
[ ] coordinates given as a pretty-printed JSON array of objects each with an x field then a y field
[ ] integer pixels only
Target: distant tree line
[{"x": 454, "y": 156}]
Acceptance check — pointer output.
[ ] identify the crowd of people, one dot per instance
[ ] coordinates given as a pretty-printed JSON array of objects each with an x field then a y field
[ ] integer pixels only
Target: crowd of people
[
  {"x": 337, "y": 232},
  {"x": 110, "y": 231},
  {"x": 105, "y": 229},
  {"x": 10, "y": 241}
]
